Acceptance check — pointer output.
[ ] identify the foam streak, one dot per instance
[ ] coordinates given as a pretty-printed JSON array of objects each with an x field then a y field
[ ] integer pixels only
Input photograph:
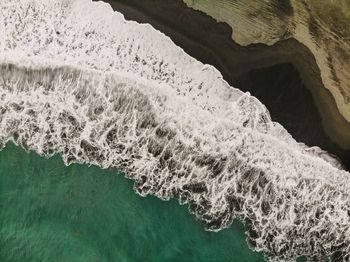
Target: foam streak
[{"x": 79, "y": 80}]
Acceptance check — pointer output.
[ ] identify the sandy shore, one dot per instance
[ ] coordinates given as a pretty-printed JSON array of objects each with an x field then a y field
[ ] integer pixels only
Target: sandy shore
[
  {"x": 318, "y": 124},
  {"x": 321, "y": 26}
]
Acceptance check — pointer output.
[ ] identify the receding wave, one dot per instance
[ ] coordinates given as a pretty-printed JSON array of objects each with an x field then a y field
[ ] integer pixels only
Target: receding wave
[{"x": 80, "y": 81}]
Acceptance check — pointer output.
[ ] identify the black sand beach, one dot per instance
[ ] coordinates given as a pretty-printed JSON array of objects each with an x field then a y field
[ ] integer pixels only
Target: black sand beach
[{"x": 284, "y": 76}]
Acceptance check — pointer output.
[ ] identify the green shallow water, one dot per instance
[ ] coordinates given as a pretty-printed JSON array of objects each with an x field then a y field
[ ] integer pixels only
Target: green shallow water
[{"x": 51, "y": 212}]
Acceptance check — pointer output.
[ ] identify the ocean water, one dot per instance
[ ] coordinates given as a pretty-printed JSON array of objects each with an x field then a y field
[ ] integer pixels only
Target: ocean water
[
  {"x": 53, "y": 212},
  {"x": 81, "y": 82}
]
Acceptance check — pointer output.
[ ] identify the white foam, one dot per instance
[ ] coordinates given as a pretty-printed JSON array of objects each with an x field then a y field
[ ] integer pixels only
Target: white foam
[{"x": 81, "y": 81}]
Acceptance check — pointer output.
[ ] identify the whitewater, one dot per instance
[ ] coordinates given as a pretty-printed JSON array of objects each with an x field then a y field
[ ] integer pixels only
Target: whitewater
[{"x": 80, "y": 81}]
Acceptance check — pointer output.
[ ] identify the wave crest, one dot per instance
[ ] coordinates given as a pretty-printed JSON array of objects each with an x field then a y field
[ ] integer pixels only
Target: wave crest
[{"x": 79, "y": 80}]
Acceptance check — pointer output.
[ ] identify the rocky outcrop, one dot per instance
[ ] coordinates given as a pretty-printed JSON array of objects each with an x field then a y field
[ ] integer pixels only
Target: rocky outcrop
[{"x": 322, "y": 26}]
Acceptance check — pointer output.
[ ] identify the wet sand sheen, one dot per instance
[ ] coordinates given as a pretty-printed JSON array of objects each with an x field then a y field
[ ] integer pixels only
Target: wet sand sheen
[
  {"x": 95, "y": 181},
  {"x": 51, "y": 212},
  {"x": 210, "y": 42}
]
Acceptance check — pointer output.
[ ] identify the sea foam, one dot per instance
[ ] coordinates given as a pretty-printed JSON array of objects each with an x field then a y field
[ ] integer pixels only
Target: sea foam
[{"x": 81, "y": 81}]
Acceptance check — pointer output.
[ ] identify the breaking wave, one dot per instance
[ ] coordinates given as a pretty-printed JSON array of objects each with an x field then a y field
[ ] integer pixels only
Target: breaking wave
[{"x": 80, "y": 81}]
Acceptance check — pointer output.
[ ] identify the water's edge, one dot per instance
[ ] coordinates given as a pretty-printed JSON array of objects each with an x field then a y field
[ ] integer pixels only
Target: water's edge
[
  {"x": 304, "y": 108},
  {"x": 97, "y": 89}
]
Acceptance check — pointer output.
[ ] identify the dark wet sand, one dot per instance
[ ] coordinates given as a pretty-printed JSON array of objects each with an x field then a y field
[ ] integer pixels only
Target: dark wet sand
[{"x": 284, "y": 77}]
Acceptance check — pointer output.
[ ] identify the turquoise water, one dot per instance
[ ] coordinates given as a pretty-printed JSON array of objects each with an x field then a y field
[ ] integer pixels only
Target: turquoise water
[{"x": 51, "y": 212}]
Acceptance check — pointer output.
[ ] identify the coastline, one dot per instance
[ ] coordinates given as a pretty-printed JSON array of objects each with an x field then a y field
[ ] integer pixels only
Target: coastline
[
  {"x": 226, "y": 160},
  {"x": 210, "y": 42},
  {"x": 321, "y": 26}
]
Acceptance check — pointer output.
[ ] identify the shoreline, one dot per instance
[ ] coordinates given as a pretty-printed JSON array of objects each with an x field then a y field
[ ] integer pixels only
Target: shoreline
[
  {"x": 321, "y": 27},
  {"x": 210, "y": 42}
]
